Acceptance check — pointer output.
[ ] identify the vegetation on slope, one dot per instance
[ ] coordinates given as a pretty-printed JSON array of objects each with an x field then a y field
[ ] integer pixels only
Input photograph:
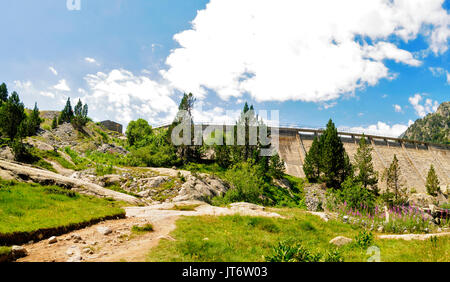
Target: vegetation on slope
[{"x": 434, "y": 127}]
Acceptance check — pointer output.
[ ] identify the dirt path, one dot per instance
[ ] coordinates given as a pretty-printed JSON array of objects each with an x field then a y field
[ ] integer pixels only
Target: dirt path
[
  {"x": 89, "y": 244},
  {"x": 413, "y": 236}
]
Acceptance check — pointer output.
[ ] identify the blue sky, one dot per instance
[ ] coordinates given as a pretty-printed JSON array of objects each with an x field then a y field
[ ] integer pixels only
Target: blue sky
[{"x": 367, "y": 70}]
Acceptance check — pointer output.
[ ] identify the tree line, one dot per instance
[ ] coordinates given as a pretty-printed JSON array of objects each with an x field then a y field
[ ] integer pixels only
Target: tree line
[
  {"x": 327, "y": 162},
  {"x": 16, "y": 124}
]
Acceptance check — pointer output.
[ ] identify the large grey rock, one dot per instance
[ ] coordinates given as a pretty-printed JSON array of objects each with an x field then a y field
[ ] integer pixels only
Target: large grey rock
[
  {"x": 340, "y": 241},
  {"x": 104, "y": 230}
]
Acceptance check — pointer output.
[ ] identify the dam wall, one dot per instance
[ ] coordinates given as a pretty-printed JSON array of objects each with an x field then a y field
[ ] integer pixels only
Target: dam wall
[{"x": 414, "y": 157}]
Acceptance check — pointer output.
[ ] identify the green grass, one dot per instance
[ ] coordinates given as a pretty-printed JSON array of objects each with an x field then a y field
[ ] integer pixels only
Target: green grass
[
  {"x": 142, "y": 229},
  {"x": 250, "y": 239},
  {"x": 4, "y": 250},
  {"x": 29, "y": 207},
  {"x": 185, "y": 207}
]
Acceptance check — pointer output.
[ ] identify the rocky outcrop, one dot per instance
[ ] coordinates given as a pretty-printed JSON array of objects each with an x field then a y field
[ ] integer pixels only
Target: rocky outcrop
[{"x": 29, "y": 173}]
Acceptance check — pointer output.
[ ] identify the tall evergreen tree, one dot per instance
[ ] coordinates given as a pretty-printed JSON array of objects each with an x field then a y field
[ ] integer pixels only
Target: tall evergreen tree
[
  {"x": 432, "y": 184},
  {"x": 67, "y": 113},
  {"x": 311, "y": 165},
  {"x": 186, "y": 153},
  {"x": 55, "y": 122},
  {"x": 363, "y": 162},
  {"x": 80, "y": 117},
  {"x": 12, "y": 114},
  {"x": 394, "y": 183},
  {"x": 3, "y": 93},
  {"x": 33, "y": 122},
  {"x": 335, "y": 163}
]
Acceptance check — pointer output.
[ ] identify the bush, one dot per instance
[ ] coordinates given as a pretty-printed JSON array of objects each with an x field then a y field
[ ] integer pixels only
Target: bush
[
  {"x": 356, "y": 196},
  {"x": 364, "y": 239},
  {"x": 295, "y": 252},
  {"x": 247, "y": 184}
]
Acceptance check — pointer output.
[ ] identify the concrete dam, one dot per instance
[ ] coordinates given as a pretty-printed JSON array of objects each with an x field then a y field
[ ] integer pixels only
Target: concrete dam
[{"x": 414, "y": 157}]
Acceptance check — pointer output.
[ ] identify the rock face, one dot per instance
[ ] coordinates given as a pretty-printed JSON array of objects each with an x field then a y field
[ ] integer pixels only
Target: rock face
[
  {"x": 432, "y": 128},
  {"x": 21, "y": 171},
  {"x": 314, "y": 197},
  {"x": 111, "y": 148},
  {"x": 340, "y": 241}
]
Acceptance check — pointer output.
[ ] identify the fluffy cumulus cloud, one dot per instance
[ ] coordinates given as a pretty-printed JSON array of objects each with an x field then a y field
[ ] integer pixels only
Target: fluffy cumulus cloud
[
  {"x": 62, "y": 86},
  {"x": 124, "y": 96},
  {"x": 300, "y": 50},
  {"x": 422, "y": 109},
  {"x": 398, "y": 108},
  {"x": 379, "y": 129}
]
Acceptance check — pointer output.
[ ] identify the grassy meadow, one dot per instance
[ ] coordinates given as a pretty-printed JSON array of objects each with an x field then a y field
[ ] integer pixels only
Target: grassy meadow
[
  {"x": 29, "y": 207},
  {"x": 252, "y": 239}
]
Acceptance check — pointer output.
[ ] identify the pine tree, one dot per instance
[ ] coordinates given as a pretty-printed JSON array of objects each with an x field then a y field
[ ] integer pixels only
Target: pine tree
[
  {"x": 55, "y": 122},
  {"x": 66, "y": 114},
  {"x": 186, "y": 153},
  {"x": 394, "y": 183},
  {"x": 12, "y": 114},
  {"x": 363, "y": 162},
  {"x": 3, "y": 93},
  {"x": 80, "y": 117},
  {"x": 311, "y": 165},
  {"x": 334, "y": 163},
  {"x": 31, "y": 124},
  {"x": 432, "y": 184},
  {"x": 276, "y": 167}
]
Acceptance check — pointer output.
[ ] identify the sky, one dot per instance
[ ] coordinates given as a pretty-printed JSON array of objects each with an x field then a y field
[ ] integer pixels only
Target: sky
[{"x": 373, "y": 66}]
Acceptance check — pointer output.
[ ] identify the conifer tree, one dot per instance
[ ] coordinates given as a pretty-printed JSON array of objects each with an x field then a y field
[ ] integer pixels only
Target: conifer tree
[
  {"x": 334, "y": 163},
  {"x": 3, "y": 93},
  {"x": 186, "y": 153},
  {"x": 363, "y": 162},
  {"x": 311, "y": 166},
  {"x": 432, "y": 184},
  {"x": 12, "y": 114},
  {"x": 32, "y": 123},
  {"x": 80, "y": 117},
  {"x": 55, "y": 122},
  {"x": 66, "y": 114},
  {"x": 394, "y": 183}
]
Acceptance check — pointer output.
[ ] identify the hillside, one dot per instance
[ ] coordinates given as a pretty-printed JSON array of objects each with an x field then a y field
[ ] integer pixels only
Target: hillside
[{"x": 435, "y": 127}]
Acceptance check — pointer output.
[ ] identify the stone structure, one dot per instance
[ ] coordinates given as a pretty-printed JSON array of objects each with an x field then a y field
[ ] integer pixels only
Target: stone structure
[
  {"x": 113, "y": 126},
  {"x": 415, "y": 157}
]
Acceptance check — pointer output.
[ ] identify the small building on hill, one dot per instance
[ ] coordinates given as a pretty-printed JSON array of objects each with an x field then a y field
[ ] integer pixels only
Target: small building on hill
[{"x": 111, "y": 125}]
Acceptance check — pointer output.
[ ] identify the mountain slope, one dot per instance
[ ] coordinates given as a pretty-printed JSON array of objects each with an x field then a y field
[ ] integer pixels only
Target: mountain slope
[{"x": 435, "y": 127}]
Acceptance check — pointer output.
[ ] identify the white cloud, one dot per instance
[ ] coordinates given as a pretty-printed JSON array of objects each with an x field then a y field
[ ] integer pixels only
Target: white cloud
[
  {"x": 91, "y": 60},
  {"x": 123, "y": 96},
  {"x": 379, "y": 129},
  {"x": 398, "y": 108},
  {"x": 437, "y": 71},
  {"x": 62, "y": 86},
  {"x": 300, "y": 50},
  {"x": 24, "y": 86},
  {"x": 448, "y": 77},
  {"x": 327, "y": 106},
  {"x": 422, "y": 110},
  {"x": 47, "y": 94},
  {"x": 53, "y": 70}
]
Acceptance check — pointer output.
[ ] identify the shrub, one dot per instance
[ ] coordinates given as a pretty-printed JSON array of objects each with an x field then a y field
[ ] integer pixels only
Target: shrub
[
  {"x": 141, "y": 229},
  {"x": 364, "y": 239},
  {"x": 356, "y": 196},
  {"x": 295, "y": 252}
]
